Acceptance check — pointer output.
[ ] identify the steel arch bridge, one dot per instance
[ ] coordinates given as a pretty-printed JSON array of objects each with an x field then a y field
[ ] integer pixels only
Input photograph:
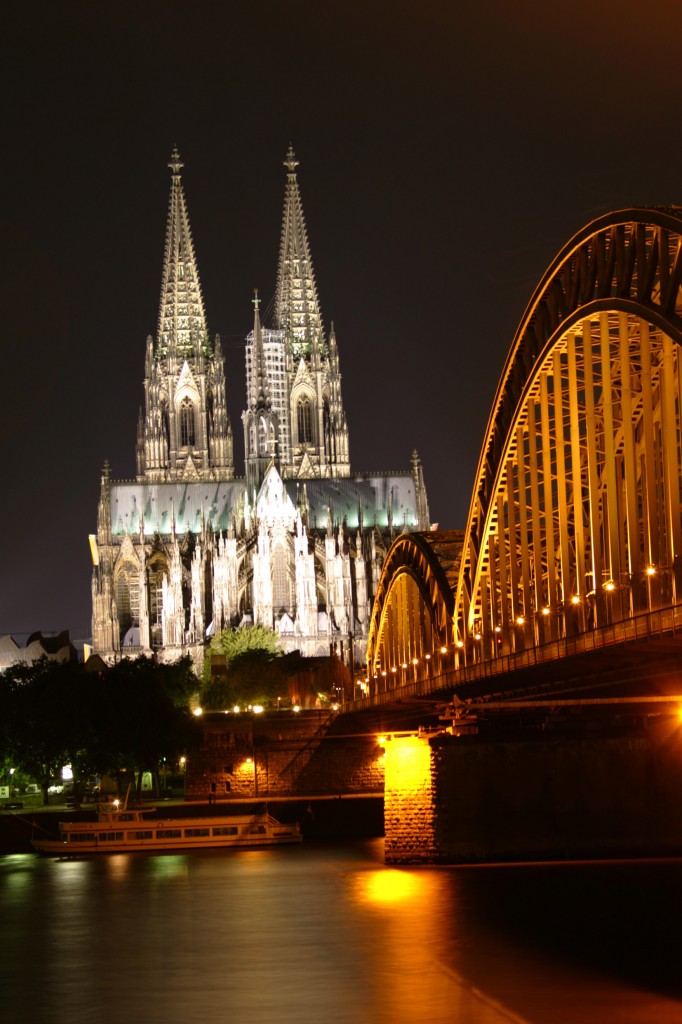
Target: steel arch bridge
[{"x": 574, "y": 522}]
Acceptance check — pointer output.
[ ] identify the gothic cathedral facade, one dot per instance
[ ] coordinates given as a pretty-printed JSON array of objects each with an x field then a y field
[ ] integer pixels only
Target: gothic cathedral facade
[{"x": 188, "y": 549}]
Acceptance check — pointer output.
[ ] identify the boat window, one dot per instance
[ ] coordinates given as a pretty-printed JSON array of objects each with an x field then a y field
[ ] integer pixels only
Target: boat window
[
  {"x": 225, "y": 830},
  {"x": 82, "y": 837},
  {"x": 193, "y": 832},
  {"x": 143, "y": 834},
  {"x": 257, "y": 830},
  {"x": 168, "y": 833},
  {"x": 110, "y": 837}
]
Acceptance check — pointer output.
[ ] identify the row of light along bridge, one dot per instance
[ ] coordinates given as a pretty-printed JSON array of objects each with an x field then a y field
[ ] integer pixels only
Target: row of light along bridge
[{"x": 573, "y": 544}]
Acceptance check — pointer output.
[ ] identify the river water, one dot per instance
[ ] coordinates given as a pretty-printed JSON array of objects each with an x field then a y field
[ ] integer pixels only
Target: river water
[{"x": 327, "y": 933}]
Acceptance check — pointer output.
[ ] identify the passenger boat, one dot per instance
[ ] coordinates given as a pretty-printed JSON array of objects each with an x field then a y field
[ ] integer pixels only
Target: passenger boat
[{"x": 124, "y": 831}]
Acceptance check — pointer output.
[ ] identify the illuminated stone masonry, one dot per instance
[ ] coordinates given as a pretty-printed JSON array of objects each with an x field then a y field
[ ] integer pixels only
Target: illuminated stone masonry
[{"x": 298, "y": 543}]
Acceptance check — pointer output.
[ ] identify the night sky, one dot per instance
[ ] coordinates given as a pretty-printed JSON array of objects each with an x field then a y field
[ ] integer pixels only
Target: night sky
[{"x": 447, "y": 153}]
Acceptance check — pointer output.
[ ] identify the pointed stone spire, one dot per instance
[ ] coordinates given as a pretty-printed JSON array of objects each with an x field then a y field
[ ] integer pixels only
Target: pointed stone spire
[
  {"x": 260, "y": 390},
  {"x": 186, "y": 433},
  {"x": 104, "y": 506},
  {"x": 423, "y": 521},
  {"x": 297, "y": 310},
  {"x": 261, "y": 422},
  {"x": 182, "y": 322}
]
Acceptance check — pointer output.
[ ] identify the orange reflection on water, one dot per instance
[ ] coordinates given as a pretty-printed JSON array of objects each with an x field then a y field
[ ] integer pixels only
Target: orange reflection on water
[
  {"x": 390, "y": 887},
  {"x": 406, "y": 909}
]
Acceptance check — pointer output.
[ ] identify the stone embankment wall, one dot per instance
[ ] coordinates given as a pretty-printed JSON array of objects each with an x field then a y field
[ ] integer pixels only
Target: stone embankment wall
[
  {"x": 465, "y": 799},
  {"x": 282, "y": 755}
]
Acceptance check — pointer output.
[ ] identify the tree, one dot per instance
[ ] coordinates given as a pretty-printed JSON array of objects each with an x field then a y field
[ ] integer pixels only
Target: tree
[
  {"x": 250, "y": 657},
  {"x": 237, "y": 641},
  {"x": 44, "y": 724},
  {"x": 146, "y": 715},
  {"x": 129, "y": 716}
]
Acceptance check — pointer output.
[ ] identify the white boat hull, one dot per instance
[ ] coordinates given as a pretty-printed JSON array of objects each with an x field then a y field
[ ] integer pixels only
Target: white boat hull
[{"x": 129, "y": 832}]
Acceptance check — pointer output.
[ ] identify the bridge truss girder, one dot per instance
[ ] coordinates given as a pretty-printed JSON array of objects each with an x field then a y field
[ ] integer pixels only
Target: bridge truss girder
[
  {"x": 575, "y": 518},
  {"x": 575, "y": 515},
  {"x": 412, "y": 614}
]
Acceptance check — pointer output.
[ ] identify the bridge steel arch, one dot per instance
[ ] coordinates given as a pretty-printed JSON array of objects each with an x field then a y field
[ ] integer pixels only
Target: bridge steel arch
[
  {"x": 574, "y": 521},
  {"x": 413, "y": 607}
]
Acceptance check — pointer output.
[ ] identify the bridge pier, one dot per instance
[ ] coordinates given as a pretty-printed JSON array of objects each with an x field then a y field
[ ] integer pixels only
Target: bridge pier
[{"x": 451, "y": 799}]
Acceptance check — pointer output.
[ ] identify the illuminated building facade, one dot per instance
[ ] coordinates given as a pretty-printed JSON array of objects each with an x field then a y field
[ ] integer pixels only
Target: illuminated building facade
[{"x": 298, "y": 542}]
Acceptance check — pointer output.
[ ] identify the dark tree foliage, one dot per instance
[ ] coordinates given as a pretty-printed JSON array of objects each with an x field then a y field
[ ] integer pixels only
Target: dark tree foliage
[
  {"x": 46, "y": 719},
  {"x": 129, "y": 716},
  {"x": 253, "y": 677}
]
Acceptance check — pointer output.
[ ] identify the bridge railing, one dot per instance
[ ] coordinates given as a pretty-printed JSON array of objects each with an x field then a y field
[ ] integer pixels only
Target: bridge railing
[{"x": 643, "y": 627}]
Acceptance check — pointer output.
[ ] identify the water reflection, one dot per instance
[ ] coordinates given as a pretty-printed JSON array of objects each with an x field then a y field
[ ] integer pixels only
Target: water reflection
[
  {"x": 303, "y": 934},
  {"x": 403, "y": 913}
]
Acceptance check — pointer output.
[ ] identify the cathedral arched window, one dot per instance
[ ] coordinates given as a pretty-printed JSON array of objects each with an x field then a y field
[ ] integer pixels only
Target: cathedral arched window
[
  {"x": 263, "y": 437},
  {"x": 187, "y": 436},
  {"x": 165, "y": 425},
  {"x": 305, "y": 420},
  {"x": 327, "y": 429},
  {"x": 155, "y": 573},
  {"x": 280, "y": 580},
  {"x": 128, "y": 597}
]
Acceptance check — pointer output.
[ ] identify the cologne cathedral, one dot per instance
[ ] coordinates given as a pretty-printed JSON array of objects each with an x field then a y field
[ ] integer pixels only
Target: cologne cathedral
[{"x": 297, "y": 544}]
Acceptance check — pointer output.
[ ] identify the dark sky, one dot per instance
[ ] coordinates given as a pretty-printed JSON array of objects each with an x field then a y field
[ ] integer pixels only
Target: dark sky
[{"x": 447, "y": 152}]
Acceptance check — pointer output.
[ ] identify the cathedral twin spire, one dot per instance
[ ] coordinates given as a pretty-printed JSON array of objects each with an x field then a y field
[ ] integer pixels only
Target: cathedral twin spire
[
  {"x": 182, "y": 321},
  {"x": 304, "y": 383},
  {"x": 294, "y": 411},
  {"x": 297, "y": 310},
  {"x": 184, "y": 432}
]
